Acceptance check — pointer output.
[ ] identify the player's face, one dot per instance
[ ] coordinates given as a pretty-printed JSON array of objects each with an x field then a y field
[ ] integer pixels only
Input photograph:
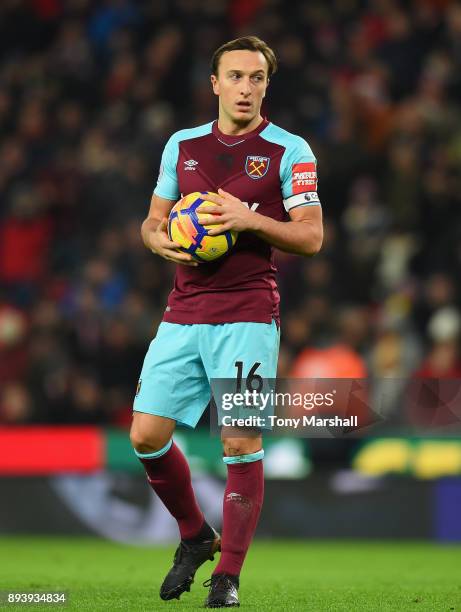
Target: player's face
[{"x": 241, "y": 85}]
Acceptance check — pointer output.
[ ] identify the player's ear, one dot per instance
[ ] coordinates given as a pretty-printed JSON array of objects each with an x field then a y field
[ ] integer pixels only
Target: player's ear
[{"x": 215, "y": 84}]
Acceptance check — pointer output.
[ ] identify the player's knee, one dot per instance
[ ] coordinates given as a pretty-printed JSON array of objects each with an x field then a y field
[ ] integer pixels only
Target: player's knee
[
  {"x": 150, "y": 433},
  {"x": 148, "y": 442},
  {"x": 234, "y": 447}
]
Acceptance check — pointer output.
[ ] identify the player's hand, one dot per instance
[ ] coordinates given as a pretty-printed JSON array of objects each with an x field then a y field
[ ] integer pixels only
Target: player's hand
[
  {"x": 159, "y": 243},
  {"x": 230, "y": 213}
]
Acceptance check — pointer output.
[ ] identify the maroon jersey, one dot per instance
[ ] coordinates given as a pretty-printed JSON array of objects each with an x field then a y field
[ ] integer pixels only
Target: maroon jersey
[{"x": 269, "y": 169}]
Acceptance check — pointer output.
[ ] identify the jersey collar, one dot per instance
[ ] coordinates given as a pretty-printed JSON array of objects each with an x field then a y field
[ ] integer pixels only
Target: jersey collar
[{"x": 231, "y": 140}]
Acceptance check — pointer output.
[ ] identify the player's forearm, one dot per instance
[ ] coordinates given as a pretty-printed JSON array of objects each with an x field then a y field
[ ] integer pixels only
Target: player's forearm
[{"x": 298, "y": 237}]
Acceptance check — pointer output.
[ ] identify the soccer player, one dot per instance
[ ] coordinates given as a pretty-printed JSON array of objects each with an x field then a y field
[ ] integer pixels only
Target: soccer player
[{"x": 223, "y": 316}]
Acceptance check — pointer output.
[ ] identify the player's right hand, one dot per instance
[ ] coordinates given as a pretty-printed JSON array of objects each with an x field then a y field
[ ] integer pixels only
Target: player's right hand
[{"x": 160, "y": 244}]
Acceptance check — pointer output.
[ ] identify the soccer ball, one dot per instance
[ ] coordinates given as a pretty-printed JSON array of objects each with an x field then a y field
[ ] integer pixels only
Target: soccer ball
[{"x": 184, "y": 228}]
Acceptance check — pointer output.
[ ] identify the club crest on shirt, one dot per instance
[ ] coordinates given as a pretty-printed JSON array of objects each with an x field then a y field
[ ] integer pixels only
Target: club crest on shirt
[{"x": 256, "y": 166}]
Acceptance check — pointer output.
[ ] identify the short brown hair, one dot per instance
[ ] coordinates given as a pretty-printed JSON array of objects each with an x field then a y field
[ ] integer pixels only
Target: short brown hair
[{"x": 245, "y": 43}]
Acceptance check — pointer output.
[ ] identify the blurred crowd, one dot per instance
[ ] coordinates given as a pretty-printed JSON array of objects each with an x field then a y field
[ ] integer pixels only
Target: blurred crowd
[{"x": 89, "y": 93}]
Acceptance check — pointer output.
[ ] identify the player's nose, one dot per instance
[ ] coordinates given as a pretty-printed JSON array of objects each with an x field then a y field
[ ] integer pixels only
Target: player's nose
[{"x": 245, "y": 89}]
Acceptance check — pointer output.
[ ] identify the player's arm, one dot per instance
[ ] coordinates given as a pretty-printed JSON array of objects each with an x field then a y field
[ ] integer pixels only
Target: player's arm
[
  {"x": 154, "y": 228},
  {"x": 154, "y": 232},
  {"x": 302, "y": 235}
]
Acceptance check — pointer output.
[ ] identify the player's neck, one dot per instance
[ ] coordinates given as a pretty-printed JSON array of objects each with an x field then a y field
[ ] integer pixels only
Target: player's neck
[{"x": 230, "y": 128}]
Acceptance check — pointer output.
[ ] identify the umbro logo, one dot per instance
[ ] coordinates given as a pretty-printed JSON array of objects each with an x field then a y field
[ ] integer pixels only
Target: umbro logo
[
  {"x": 190, "y": 164},
  {"x": 232, "y": 496},
  {"x": 239, "y": 499}
]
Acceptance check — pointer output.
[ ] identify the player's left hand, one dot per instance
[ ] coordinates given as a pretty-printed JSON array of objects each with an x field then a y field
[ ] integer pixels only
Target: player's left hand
[{"x": 230, "y": 213}]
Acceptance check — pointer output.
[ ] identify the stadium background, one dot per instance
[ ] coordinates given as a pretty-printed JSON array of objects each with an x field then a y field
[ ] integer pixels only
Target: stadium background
[{"x": 89, "y": 93}]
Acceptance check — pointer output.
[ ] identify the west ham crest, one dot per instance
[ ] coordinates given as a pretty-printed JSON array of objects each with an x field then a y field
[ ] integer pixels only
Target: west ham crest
[{"x": 256, "y": 166}]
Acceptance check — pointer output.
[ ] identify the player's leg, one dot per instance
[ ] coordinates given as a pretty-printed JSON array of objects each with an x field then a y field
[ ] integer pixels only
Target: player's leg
[
  {"x": 167, "y": 470},
  {"x": 243, "y": 498},
  {"x": 238, "y": 349},
  {"x": 173, "y": 388}
]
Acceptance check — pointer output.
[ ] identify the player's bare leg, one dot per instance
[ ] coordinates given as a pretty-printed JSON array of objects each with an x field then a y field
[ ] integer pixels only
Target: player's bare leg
[
  {"x": 150, "y": 433},
  {"x": 169, "y": 476},
  {"x": 242, "y": 503}
]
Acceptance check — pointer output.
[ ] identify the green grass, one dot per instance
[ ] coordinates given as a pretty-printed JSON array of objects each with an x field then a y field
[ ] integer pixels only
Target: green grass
[{"x": 312, "y": 576}]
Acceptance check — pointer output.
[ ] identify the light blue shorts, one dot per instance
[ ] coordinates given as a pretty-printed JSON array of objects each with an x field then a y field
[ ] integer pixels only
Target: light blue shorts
[{"x": 181, "y": 360}]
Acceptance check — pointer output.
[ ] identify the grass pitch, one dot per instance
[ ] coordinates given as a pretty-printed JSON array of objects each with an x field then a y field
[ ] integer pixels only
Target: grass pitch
[{"x": 311, "y": 576}]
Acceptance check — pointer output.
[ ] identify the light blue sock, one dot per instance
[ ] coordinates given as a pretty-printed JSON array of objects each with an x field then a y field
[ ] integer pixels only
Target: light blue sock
[
  {"x": 155, "y": 455},
  {"x": 245, "y": 458}
]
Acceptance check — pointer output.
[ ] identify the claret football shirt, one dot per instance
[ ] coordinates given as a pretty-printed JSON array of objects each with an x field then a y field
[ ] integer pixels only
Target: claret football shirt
[{"x": 272, "y": 171}]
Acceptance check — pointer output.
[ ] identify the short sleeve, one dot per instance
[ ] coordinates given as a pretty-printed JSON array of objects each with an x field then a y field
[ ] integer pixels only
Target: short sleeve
[
  {"x": 298, "y": 175},
  {"x": 167, "y": 182}
]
